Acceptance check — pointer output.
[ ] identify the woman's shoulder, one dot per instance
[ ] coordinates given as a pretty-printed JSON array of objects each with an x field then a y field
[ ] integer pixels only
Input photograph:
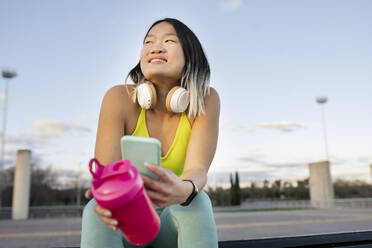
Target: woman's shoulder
[
  {"x": 119, "y": 97},
  {"x": 212, "y": 97},
  {"x": 212, "y": 101},
  {"x": 120, "y": 91}
]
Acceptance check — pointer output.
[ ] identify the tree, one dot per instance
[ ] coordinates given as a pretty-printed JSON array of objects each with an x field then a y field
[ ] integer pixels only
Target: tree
[
  {"x": 235, "y": 189},
  {"x": 219, "y": 196},
  {"x": 232, "y": 190},
  {"x": 302, "y": 190},
  {"x": 41, "y": 192}
]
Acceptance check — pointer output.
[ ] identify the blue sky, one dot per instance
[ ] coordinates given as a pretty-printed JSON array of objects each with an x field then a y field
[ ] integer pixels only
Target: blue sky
[{"x": 269, "y": 61}]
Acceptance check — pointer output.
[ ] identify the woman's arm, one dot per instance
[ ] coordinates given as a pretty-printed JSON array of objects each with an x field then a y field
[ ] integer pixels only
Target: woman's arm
[
  {"x": 203, "y": 142},
  {"x": 110, "y": 126},
  {"x": 110, "y": 130},
  {"x": 200, "y": 152}
]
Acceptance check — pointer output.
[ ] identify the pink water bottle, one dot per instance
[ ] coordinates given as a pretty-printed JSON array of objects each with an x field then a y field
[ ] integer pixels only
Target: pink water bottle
[{"x": 119, "y": 187}]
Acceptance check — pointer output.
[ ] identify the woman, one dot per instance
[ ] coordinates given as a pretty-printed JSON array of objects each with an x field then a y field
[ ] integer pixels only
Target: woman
[{"x": 171, "y": 56}]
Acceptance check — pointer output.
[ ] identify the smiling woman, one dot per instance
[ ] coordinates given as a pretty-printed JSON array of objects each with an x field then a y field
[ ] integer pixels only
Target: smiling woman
[
  {"x": 157, "y": 65},
  {"x": 170, "y": 100}
]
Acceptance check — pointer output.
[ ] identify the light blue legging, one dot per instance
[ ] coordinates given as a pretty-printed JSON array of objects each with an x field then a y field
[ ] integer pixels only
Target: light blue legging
[{"x": 183, "y": 227}]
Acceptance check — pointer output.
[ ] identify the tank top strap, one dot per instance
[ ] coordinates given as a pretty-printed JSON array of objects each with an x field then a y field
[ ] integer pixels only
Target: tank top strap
[
  {"x": 141, "y": 128},
  {"x": 174, "y": 160},
  {"x": 185, "y": 121}
]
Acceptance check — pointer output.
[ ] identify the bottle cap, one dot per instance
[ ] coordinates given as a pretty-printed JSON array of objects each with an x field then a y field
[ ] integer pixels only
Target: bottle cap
[{"x": 115, "y": 184}]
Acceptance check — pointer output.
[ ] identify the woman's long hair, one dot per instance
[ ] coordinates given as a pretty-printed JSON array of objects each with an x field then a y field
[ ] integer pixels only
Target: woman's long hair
[{"x": 196, "y": 72}]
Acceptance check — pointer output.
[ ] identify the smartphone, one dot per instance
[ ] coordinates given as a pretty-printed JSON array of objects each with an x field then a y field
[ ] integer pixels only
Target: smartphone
[{"x": 139, "y": 150}]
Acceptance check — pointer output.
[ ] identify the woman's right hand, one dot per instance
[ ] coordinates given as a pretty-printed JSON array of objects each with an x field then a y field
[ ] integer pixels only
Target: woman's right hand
[{"x": 104, "y": 213}]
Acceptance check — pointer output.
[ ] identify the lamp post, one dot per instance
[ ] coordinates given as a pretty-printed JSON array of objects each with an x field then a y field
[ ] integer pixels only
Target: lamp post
[
  {"x": 7, "y": 75},
  {"x": 78, "y": 190},
  {"x": 322, "y": 100}
]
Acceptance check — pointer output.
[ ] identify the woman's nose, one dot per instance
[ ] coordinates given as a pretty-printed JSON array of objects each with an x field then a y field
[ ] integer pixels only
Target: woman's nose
[{"x": 157, "y": 49}]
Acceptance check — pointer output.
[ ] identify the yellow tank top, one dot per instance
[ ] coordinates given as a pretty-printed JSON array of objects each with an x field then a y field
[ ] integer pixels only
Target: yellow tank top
[{"x": 175, "y": 158}]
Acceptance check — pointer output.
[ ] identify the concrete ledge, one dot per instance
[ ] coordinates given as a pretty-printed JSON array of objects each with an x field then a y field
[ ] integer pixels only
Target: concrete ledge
[{"x": 362, "y": 239}]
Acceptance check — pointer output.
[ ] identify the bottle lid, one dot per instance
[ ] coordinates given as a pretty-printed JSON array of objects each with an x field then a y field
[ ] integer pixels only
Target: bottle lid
[{"x": 115, "y": 184}]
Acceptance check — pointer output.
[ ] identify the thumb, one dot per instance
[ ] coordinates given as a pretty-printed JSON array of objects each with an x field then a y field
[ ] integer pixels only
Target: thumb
[{"x": 88, "y": 194}]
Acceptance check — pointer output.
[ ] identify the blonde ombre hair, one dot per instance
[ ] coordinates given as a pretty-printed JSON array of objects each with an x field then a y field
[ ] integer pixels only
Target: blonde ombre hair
[{"x": 196, "y": 72}]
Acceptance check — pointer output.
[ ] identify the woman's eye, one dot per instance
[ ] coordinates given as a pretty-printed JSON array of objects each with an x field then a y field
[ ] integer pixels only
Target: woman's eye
[
  {"x": 148, "y": 42},
  {"x": 169, "y": 40}
]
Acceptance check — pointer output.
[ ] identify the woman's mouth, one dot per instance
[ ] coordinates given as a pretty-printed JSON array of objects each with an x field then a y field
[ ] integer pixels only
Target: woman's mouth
[{"x": 157, "y": 61}]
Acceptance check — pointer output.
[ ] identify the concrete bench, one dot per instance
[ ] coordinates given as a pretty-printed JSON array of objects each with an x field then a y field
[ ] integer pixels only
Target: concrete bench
[{"x": 360, "y": 239}]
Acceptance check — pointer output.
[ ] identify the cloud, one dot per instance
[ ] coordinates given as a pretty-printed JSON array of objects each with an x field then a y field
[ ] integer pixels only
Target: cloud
[
  {"x": 257, "y": 166},
  {"x": 346, "y": 161},
  {"x": 335, "y": 160},
  {"x": 253, "y": 158},
  {"x": 66, "y": 172},
  {"x": 43, "y": 132},
  {"x": 12, "y": 140},
  {"x": 283, "y": 126},
  {"x": 231, "y": 5},
  {"x": 288, "y": 165},
  {"x": 84, "y": 117},
  {"x": 351, "y": 176},
  {"x": 365, "y": 159},
  {"x": 227, "y": 124},
  {"x": 67, "y": 178},
  {"x": 257, "y": 160},
  {"x": 28, "y": 140},
  {"x": 56, "y": 127},
  {"x": 2, "y": 97},
  {"x": 10, "y": 157}
]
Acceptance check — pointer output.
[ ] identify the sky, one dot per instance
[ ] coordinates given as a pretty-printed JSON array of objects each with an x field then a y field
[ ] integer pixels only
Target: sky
[{"x": 269, "y": 62}]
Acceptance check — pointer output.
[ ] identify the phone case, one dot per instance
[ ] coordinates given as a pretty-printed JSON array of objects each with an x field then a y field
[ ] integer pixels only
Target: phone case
[{"x": 139, "y": 150}]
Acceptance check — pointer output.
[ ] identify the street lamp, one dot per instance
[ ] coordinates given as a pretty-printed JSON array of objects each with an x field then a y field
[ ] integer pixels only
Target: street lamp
[
  {"x": 7, "y": 75},
  {"x": 322, "y": 100},
  {"x": 78, "y": 190}
]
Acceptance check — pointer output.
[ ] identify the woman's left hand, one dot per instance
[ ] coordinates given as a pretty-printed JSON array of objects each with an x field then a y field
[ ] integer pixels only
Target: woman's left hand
[{"x": 169, "y": 189}]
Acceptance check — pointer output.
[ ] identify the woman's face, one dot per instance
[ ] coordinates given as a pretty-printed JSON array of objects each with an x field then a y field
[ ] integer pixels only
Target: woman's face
[{"x": 162, "y": 56}]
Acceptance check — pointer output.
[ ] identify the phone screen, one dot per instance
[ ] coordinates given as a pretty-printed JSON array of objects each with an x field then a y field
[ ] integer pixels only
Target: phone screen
[{"x": 139, "y": 150}]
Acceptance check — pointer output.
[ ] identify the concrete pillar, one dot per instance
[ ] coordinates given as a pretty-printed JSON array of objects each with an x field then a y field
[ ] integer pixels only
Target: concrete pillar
[
  {"x": 321, "y": 187},
  {"x": 370, "y": 167},
  {"x": 22, "y": 183}
]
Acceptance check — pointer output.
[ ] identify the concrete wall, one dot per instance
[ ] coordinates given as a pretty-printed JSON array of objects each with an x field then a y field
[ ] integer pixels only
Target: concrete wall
[
  {"x": 22, "y": 181},
  {"x": 321, "y": 188}
]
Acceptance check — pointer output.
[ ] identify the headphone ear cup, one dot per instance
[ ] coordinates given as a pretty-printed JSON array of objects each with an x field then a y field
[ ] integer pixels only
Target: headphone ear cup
[
  {"x": 146, "y": 95},
  {"x": 178, "y": 100}
]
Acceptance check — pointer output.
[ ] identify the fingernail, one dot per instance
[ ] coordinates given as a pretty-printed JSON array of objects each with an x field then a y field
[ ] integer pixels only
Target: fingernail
[
  {"x": 147, "y": 164},
  {"x": 87, "y": 196},
  {"x": 114, "y": 222},
  {"x": 114, "y": 228},
  {"x": 107, "y": 213}
]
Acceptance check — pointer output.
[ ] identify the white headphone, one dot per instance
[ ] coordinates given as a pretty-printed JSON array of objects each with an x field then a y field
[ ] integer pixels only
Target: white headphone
[{"x": 177, "y": 100}]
